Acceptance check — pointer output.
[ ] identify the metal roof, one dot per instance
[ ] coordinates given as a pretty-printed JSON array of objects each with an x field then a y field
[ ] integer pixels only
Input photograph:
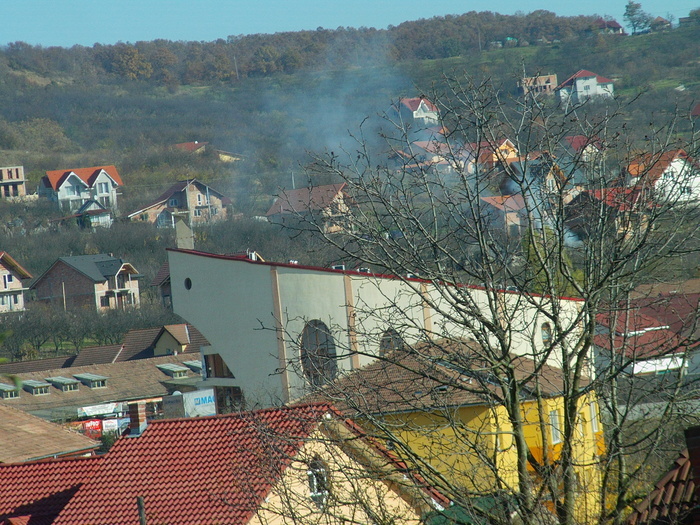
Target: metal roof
[{"x": 89, "y": 377}]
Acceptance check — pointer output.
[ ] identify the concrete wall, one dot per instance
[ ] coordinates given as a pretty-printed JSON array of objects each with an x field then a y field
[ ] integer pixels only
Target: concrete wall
[{"x": 253, "y": 314}]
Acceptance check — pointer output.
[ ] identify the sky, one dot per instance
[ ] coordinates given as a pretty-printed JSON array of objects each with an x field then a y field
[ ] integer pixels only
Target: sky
[{"x": 85, "y": 22}]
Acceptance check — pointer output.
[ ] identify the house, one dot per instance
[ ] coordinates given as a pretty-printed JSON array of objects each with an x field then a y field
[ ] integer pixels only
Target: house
[
  {"x": 297, "y": 327},
  {"x": 327, "y": 206},
  {"x": 101, "y": 391},
  {"x": 191, "y": 198},
  {"x": 505, "y": 213},
  {"x": 198, "y": 148},
  {"x": 660, "y": 24},
  {"x": 12, "y": 289},
  {"x": 72, "y": 188},
  {"x": 673, "y": 176},
  {"x": 12, "y": 182},
  {"x": 98, "y": 281},
  {"x": 654, "y": 334},
  {"x": 162, "y": 282},
  {"x": 418, "y": 112},
  {"x": 90, "y": 215},
  {"x": 676, "y": 497},
  {"x": 490, "y": 154},
  {"x": 301, "y": 464},
  {"x": 585, "y": 149},
  {"x": 540, "y": 84},
  {"x": 608, "y": 26},
  {"x": 26, "y": 438},
  {"x": 582, "y": 86},
  {"x": 442, "y": 401},
  {"x": 144, "y": 343}
]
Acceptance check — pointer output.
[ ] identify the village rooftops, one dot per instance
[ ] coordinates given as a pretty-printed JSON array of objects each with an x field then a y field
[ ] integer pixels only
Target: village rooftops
[{"x": 583, "y": 73}]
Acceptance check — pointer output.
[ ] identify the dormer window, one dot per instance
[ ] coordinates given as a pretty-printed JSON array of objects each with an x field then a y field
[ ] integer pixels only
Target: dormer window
[
  {"x": 174, "y": 370},
  {"x": 65, "y": 384},
  {"x": 8, "y": 391},
  {"x": 36, "y": 388},
  {"x": 92, "y": 380},
  {"x": 195, "y": 366}
]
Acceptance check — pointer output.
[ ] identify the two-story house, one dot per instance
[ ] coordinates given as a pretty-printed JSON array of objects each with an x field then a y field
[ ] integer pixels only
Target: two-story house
[
  {"x": 198, "y": 201},
  {"x": 584, "y": 85},
  {"x": 71, "y": 189},
  {"x": 98, "y": 281},
  {"x": 328, "y": 205},
  {"x": 12, "y": 183},
  {"x": 11, "y": 288},
  {"x": 672, "y": 175}
]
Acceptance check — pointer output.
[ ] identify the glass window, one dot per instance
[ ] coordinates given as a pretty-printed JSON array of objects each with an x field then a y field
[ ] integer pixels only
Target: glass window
[
  {"x": 594, "y": 416},
  {"x": 318, "y": 357},
  {"x": 555, "y": 426},
  {"x": 546, "y": 334},
  {"x": 216, "y": 367},
  {"x": 391, "y": 340},
  {"x": 104, "y": 301},
  {"x": 319, "y": 486}
]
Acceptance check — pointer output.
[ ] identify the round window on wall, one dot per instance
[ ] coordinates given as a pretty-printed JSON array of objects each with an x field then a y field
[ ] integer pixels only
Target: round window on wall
[
  {"x": 188, "y": 283},
  {"x": 318, "y": 355}
]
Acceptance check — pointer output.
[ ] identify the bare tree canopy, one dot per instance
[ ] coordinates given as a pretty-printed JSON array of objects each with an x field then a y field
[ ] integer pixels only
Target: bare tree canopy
[{"x": 533, "y": 233}]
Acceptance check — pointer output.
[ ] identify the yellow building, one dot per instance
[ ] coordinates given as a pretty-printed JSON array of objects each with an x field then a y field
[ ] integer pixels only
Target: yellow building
[{"x": 444, "y": 409}]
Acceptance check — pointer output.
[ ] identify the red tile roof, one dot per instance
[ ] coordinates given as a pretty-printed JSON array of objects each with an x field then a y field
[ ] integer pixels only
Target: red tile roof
[
  {"x": 506, "y": 203},
  {"x": 602, "y": 23},
  {"x": 193, "y": 471},
  {"x": 414, "y": 103},
  {"x": 190, "y": 146},
  {"x": 581, "y": 142},
  {"x": 37, "y": 491},
  {"x": 673, "y": 497},
  {"x": 651, "y": 167},
  {"x": 88, "y": 175},
  {"x": 305, "y": 200},
  {"x": 583, "y": 73},
  {"x": 622, "y": 199}
]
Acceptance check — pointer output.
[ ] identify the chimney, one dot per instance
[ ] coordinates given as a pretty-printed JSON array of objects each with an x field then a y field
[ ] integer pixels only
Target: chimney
[{"x": 137, "y": 417}]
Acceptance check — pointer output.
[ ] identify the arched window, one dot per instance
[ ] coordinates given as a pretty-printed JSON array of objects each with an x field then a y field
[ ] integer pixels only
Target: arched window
[
  {"x": 319, "y": 485},
  {"x": 318, "y": 358},
  {"x": 391, "y": 340},
  {"x": 546, "y": 334}
]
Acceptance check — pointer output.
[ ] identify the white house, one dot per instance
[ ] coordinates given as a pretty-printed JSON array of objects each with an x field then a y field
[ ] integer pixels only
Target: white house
[
  {"x": 11, "y": 288},
  {"x": 582, "y": 86},
  {"x": 72, "y": 188},
  {"x": 673, "y": 175},
  {"x": 276, "y": 328}
]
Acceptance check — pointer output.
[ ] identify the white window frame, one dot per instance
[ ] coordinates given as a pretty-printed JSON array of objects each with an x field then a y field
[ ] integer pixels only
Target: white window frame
[
  {"x": 593, "y": 408},
  {"x": 555, "y": 426},
  {"x": 319, "y": 486}
]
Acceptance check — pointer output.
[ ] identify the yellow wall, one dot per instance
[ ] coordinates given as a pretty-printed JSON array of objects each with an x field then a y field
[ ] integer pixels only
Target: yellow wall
[
  {"x": 473, "y": 447},
  {"x": 355, "y": 495}
]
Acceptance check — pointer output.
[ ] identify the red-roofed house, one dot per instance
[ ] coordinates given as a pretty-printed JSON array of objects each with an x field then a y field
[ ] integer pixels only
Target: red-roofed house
[
  {"x": 299, "y": 464},
  {"x": 673, "y": 175},
  {"x": 418, "y": 110},
  {"x": 327, "y": 205},
  {"x": 607, "y": 27},
  {"x": 582, "y": 86},
  {"x": 11, "y": 289},
  {"x": 72, "y": 188},
  {"x": 506, "y": 212},
  {"x": 198, "y": 201}
]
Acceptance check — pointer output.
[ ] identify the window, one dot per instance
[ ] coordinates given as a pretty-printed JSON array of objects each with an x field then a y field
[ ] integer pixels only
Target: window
[
  {"x": 172, "y": 203},
  {"x": 104, "y": 201},
  {"x": 594, "y": 416},
  {"x": 391, "y": 340},
  {"x": 10, "y": 394},
  {"x": 686, "y": 190},
  {"x": 104, "y": 301},
  {"x": 214, "y": 211},
  {"x": 70, "y": 387},
  {"x": 3, "y": 300},
  {"x": 546, "y": 334},
  {"x": 556, "y": 426},
  {"x": 216, "y": 367},
  {"x": 199, "y": 199},
  {"x": 15, "y": 298},
  {"x": 586, "y": 88},
  {"x": 40, "y": 391},
  {"x": 98, "y": 383},
  {"x": 318, "y": 357},
  {"x": 197, "y": 213},
  {"x": 229, "y": 399},
  {"x": 318, "y": 482},
  {"x": 102, "y": 187}
]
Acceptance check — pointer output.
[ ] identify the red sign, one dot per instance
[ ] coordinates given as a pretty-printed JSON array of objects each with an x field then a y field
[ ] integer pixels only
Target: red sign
[{"x": 93, "y": 428}]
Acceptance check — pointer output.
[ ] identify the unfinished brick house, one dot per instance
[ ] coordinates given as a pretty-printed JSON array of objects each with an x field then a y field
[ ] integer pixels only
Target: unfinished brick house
[
  {"x": 98, "y": 281},
  {"x": 12, "y": 183}
]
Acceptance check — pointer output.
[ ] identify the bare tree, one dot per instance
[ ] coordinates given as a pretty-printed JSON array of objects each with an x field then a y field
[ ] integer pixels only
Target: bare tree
[{"x": 519, "y": 244}]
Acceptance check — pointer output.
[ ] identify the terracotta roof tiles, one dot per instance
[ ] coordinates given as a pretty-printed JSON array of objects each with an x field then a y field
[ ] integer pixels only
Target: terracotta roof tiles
[
  {"x": 305, "y": 200},
  {"x": 55, "y": 178},
  {"x": 36, "y": 492},
  {"x": 583, "y": 73}
]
